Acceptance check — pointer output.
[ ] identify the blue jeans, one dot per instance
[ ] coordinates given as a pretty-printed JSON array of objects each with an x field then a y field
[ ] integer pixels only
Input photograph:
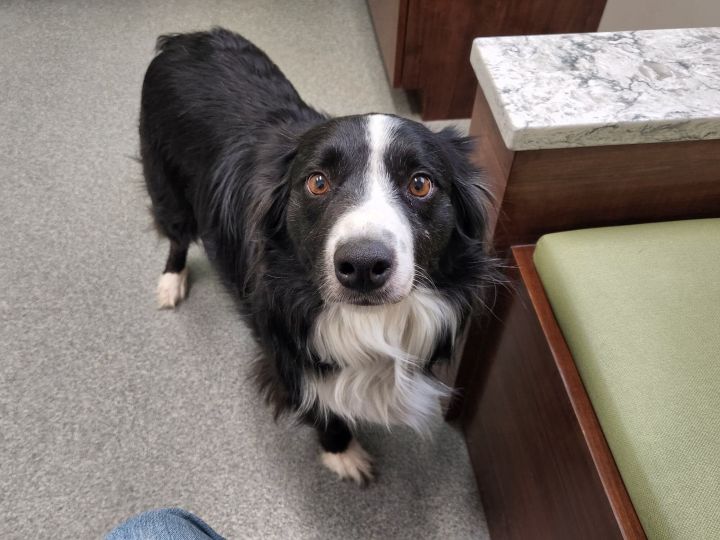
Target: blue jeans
[{"x": 165, "y": 524}]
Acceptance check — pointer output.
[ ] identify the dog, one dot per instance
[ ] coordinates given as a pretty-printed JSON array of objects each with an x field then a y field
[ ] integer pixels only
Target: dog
[{"x": 354, "y": 246}]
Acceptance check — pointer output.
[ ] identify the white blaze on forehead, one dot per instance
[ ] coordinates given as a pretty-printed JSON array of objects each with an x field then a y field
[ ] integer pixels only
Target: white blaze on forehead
[
  {"x": 379, "y": 132},
  {"x": 377, "y": 210},
  {"x": 378, "y": 214}
]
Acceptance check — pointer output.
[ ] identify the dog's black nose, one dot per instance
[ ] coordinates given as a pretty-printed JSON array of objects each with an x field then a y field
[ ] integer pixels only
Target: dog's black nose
[{"x": 363, "y": 265}]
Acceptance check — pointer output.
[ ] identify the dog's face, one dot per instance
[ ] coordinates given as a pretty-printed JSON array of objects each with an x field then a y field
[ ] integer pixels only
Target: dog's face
[{"x": 373, "y": 206}]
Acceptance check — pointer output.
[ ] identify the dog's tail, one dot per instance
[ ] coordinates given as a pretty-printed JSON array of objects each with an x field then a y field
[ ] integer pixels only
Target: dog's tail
[
  {"x": 217, "y": 36},
  {"x": 169, "y": 41}
]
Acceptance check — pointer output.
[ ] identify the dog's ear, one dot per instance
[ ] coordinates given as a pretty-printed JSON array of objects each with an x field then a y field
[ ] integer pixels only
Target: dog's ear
[
  {"x": 261, "y": 192},
  {"x": 469, "y": 196},
  {"x": 468, "y": 263},
  {"x": 272, "y": 185}
]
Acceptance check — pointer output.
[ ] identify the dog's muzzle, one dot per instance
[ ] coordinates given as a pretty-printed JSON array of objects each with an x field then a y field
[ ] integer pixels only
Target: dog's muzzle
[{"x": 364, "y": 264}]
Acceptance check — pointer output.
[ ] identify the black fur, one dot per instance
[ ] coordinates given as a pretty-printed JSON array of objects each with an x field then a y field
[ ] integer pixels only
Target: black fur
[{"x": 226, "y": 145}]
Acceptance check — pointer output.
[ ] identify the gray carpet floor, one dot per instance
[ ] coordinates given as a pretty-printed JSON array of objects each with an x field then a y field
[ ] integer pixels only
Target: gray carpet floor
[{"x": 108, "y": 406}]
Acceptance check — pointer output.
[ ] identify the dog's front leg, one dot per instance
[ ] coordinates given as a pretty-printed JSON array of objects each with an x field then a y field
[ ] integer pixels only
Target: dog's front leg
[{"x": 341, "y": 453}]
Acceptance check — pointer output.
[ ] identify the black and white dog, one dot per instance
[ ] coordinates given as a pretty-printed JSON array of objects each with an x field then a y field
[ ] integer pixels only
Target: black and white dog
[{"x": 354, "y": 245}]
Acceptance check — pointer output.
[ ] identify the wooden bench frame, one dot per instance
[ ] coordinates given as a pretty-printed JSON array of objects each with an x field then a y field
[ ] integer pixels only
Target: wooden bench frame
[
  {"x": 542, "y": 463},
  {"x": 539, "y": 454}
]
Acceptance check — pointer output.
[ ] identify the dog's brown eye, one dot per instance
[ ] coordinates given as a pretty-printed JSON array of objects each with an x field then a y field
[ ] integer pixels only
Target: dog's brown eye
[
  {"x": 317, "y": 184},
  {"x": 420, "y": 186}
]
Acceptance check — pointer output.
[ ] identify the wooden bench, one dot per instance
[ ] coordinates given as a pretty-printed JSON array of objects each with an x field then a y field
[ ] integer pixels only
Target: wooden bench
[{"x": 574, "y": 131}]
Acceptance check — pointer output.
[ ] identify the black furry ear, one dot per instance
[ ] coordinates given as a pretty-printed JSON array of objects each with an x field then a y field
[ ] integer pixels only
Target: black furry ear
[
  {"x": 261, "y": 192},
  {"x": 272, "y": 184},
  {"x": 252, "y": 201},
  {"x": 469, "y": 196}
]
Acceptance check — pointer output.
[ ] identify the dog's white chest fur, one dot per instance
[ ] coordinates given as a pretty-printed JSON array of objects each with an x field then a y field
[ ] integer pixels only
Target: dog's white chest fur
[{"x": 380, "y": 352}]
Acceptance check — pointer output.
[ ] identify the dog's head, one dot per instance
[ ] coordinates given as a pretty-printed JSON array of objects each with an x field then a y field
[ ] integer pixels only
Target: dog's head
[{"x": 379, "y": 204}]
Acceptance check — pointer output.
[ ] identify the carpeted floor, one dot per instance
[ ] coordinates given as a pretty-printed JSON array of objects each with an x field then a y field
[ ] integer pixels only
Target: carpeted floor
[{"x": 109, "y": 407}]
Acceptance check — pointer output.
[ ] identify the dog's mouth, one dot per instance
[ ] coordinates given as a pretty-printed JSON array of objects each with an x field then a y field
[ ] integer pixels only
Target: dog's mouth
[{"x": 366, "y": 299}]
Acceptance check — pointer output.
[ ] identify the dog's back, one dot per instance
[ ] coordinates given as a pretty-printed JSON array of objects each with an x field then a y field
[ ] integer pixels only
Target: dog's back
[
  {"x": 209, "y": 100},
  {"x": 207, "y": 88}
]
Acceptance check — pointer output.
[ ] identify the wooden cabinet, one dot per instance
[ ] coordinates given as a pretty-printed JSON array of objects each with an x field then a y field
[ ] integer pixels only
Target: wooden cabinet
[{"x": 425, "y": 44}]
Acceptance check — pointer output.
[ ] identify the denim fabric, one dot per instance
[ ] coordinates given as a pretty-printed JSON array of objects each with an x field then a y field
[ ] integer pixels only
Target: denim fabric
[{"x": 164, "y": 524}]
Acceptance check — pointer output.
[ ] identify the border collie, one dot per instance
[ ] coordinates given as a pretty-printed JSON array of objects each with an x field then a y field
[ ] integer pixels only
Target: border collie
[{"x": 353, "y": 245}]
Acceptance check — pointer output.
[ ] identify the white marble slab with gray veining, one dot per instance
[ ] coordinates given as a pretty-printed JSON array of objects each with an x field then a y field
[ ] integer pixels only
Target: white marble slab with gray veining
[{"x": 567, "y": 90}]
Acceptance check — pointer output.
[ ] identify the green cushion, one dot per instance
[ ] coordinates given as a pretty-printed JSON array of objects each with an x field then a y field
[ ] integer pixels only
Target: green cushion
[{"x": 639, "y": 307}]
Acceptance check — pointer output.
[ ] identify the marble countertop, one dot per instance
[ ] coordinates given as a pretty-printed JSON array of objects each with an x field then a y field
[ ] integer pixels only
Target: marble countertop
[{"x": 568, "y": 90}]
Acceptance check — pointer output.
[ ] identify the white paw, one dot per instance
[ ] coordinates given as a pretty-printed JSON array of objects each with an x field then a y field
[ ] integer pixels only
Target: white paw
[
  {"x": 171, "y": 288},
  {"x": 352, "y": 464}
]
